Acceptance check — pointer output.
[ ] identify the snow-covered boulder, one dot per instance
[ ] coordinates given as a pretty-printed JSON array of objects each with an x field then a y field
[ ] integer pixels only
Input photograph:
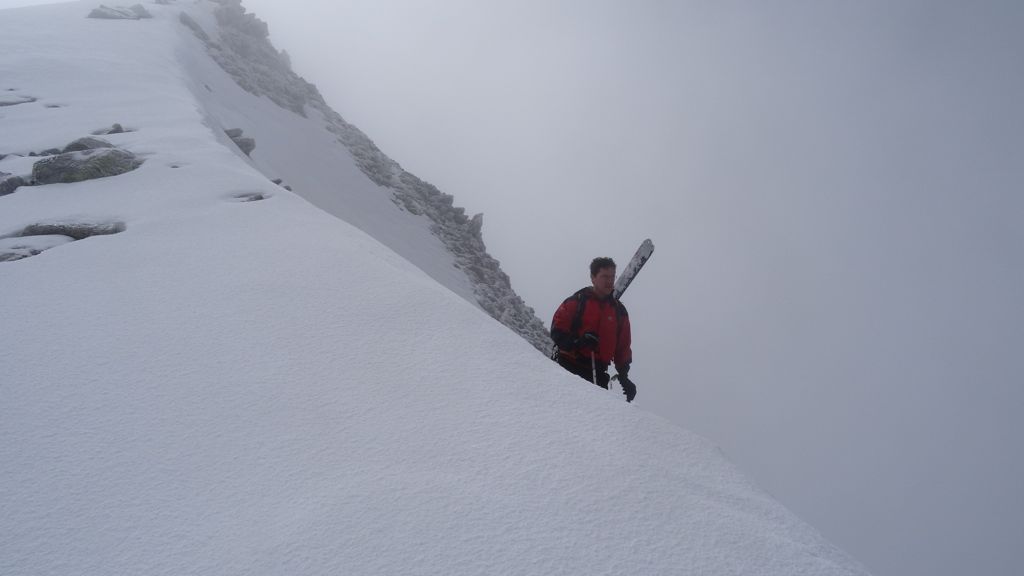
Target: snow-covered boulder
[
  {"x": 244, "y": 143},
  {"x": 37, "y": 238},
  {"x": 114, "y": 129},
  {"x": 84, "y": 165},
  {"x": 18, "y": 248},
  {"x": 47, "y": 152},
  {"x": 73, "y": 229},
  {"x": 9, "y": 183},
  {"x": 87, "y": 143}
]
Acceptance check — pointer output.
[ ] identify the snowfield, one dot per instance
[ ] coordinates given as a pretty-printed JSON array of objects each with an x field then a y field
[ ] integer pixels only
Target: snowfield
[{"x": 221, "y": 378}]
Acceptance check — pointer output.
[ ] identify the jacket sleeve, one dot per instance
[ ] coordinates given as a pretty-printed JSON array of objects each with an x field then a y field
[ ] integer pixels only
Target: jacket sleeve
[
  {"x": 623, "y": 345},
  {"x": 561, "y": 325}
]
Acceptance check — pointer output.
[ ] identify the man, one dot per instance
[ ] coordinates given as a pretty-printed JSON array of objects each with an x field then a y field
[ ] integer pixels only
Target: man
[{"x": 591, "y": 331}]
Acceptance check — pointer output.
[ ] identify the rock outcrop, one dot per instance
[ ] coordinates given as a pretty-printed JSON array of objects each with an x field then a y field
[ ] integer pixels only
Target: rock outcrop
[
  {"x": 84, "y": 165},
  {"x": 114, "y": 129},
  {"x": 244, "y": 143},
  {"x": 9, "y": 183},
  {"x": 87, "y": 143},
  {"x": 247, "y": 55},
  {"x": 135, "y": 12},
  {"x": 37, "y": 238}
]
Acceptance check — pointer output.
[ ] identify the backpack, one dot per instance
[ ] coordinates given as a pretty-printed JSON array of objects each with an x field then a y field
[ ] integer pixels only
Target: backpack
[{"x": 581, "y": 296}]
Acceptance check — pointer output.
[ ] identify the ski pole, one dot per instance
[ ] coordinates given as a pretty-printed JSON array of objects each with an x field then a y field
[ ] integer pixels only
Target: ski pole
[{"x": 593, "y": 367}]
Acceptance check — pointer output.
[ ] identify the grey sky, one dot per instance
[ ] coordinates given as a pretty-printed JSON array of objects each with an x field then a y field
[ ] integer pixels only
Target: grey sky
[{"x": 835, "y": 192}]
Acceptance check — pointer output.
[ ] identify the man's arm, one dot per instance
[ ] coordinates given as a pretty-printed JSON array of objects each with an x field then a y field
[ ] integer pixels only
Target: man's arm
[
  {"x": 561, "y": 325},
  {"x": 623, "y": 344}
]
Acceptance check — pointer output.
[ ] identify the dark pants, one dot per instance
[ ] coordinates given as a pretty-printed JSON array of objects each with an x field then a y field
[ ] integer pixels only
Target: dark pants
[{"x": 584, "y": 370}]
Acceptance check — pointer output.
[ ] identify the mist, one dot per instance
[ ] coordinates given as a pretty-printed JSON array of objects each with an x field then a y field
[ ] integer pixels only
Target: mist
[{"x": 836, "y": 194}]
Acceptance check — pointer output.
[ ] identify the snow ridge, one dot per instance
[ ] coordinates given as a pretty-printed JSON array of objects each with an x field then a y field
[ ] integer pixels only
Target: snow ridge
[{"x": 245, "y": 52}]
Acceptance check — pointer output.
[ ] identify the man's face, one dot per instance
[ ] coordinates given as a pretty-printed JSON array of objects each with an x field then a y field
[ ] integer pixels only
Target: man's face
[{"x": 604, "y": 282}]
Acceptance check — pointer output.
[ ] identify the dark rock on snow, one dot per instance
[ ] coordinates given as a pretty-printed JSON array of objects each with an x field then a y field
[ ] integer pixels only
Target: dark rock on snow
[
  {"x": 47, "y": 152},
  {"x": 9, "y": 183},
  {"x": 115, "y": 129},
  {"x": 84, "y": 165},
  {"x": 244, "y": 143},
  {"x": 135, "y": 12},
  {"x": 38, "y": 238},
  {"x": 87, "y": 143},
  {"x": 75, "y": 230}
]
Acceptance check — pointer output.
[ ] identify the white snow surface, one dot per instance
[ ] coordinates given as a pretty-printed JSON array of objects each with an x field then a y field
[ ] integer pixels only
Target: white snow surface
[{"x": 231, "y": 387}]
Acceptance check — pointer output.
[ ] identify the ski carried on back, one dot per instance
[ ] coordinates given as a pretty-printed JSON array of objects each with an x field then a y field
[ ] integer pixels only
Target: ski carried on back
[{"x": 633, "y": 268}]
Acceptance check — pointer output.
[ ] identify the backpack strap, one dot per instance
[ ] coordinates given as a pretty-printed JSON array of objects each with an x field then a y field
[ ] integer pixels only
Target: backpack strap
[{"x": 581, "y": 301}]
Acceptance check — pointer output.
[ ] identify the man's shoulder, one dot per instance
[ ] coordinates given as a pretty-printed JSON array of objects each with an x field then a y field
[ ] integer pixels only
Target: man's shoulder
[
  {"x": 581, "y": 294},
  {"x": 621, "y": 307}
]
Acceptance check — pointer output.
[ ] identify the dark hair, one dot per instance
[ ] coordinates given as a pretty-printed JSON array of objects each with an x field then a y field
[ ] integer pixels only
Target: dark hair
[{"x": 599, "y": 263}]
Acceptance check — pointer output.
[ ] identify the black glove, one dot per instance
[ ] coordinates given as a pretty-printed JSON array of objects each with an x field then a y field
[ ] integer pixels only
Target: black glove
[
  {"x": 628, "y": 388},
  {"x": 589, "y": 339}
]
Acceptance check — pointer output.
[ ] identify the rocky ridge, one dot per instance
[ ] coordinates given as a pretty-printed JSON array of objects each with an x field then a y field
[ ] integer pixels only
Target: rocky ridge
[{"x": 245, "y": 52}]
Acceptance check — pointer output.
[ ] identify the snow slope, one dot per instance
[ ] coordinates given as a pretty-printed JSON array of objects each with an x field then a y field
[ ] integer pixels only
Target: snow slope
[{"x": 229, "y": 386}]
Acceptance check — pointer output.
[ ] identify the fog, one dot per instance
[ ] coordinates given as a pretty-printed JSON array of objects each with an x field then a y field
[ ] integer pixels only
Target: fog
[{"x": 835, "y": 193}]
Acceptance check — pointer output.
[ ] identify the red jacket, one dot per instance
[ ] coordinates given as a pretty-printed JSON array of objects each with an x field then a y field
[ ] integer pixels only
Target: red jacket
[{"x": 605, "y": 317}]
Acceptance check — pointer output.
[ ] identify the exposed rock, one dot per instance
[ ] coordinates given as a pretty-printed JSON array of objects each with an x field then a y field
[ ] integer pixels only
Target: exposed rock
[
  {"x": 115, "y": 129},
  {"x": 135, "y": 12},
  {"x": 47, "y": 152},
  {"x": 84, "y": 165},
  {"x": 257, "y": 67},
  {"x": 244, "y": 143},
  {"x": 248, "y": 56},
  {"x": 37, "y": 238},
  {"x": 476, "y": 224},
  {"x": 462, "y": 236},
  {"x": 10, "y": 183},
  {"x": 87, "y": 143},
  {"x": 140, "y": 11},
  {"x": 250, "y": 196},
  {"x": 197, "y": 30},
  {"x": 18, "y": 100},
  {"x": 75, "y": 230}
]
